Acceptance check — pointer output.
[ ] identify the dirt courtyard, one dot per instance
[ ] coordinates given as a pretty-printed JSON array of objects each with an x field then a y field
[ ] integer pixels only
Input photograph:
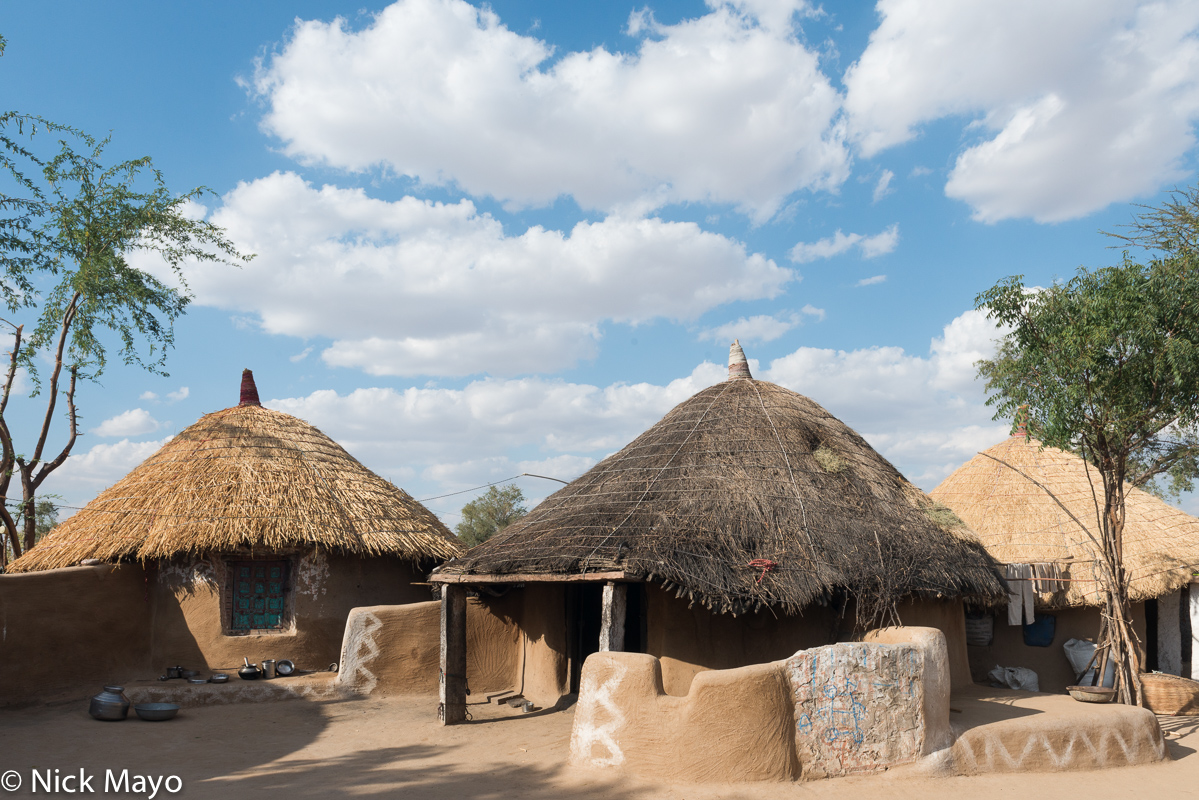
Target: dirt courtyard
[{"x": 394, "y": 747}]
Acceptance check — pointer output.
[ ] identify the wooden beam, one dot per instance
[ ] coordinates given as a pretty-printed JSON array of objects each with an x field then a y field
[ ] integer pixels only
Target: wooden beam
[
  {"x": 612, "y": 622},
  {"x": 1169, "y": 634},
  {"x": 453, "y": 655},
  {"x": 584, "y": 577}
]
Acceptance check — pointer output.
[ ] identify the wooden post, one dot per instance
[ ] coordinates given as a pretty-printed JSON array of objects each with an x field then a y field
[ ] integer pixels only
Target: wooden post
[
  {"x": 453, "y": 654},
  {"x": 1169, "y": 634},
  {"x": 1194, "y": 609},
  {"x": 613, "y": 620}
]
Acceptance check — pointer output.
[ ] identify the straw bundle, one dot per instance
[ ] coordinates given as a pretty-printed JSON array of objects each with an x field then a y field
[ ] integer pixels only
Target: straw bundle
[
  {"x": 245, "y": 477},
  {"x": 747, "y": 495},
  {"x": 1019, "y": 522}
]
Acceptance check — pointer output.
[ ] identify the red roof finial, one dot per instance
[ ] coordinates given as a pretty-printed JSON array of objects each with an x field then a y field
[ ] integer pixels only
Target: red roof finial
[
  {"x": 249, "y": 392},
  {"x": 738, "y": 366},
  {"x": 1022, "y": 422}
]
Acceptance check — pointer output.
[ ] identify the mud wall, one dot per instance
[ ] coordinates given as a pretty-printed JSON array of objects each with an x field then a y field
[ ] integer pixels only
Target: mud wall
[
  {"x": 935, "y": 675},
  {"x": 1053, "y": 670},
  {"x": 542, "y": 664},
  {"x": 396, "y": 650},
  {"x": 733, "y": 725},
  {"x": 692, "y": 640},
  {"x": 187, "y": 624},
  {"x": 831, "y": 710},
  {"x": 69, "y": 627},
  {"x": 949, "y": 617}
]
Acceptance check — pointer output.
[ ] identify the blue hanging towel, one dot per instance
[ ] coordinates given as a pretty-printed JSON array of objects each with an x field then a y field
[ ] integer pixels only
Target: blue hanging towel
[{"x": 1039, "y": 633}]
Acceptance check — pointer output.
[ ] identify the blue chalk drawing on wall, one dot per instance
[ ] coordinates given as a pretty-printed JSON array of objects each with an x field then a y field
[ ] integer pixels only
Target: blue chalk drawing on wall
[{"x": 842, "y": 717}]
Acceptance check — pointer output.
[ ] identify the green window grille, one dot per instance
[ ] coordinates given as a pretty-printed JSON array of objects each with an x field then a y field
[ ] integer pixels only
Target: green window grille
[{"x": 258, "y": 595}]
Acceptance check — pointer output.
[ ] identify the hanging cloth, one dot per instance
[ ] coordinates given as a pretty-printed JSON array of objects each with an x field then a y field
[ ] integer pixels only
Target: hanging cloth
[
  {"x": 1048, "y": 577},
  {"x": 1022, "y": 596}
]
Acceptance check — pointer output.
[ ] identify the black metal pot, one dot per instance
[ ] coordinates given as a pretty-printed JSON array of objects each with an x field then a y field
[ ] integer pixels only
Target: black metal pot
[{"x": 249, "y": 672}]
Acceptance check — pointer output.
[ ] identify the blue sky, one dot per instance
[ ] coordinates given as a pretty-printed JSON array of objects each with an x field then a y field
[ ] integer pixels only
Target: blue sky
[{"x": 508, "y": 238}]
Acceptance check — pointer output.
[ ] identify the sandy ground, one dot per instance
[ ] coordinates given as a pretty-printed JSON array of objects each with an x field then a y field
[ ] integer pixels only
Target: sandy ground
[{"x": 394, "y": 747}]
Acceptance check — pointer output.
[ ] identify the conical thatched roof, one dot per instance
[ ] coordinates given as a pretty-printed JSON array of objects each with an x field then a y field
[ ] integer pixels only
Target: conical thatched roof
[
  {"x": 1034, "y": 504},
  {"x": 746, "y": 495},
  {"x": 245, "y": 477}
]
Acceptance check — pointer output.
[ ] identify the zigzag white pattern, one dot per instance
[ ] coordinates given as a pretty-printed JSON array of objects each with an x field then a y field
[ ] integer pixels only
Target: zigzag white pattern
[{"x": 996, "y": 756}]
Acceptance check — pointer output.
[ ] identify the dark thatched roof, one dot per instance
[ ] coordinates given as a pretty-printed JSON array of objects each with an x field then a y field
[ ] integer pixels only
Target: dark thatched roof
[
  {"x": 245, "y": 477},
  {"x": 748, "y": 495}
]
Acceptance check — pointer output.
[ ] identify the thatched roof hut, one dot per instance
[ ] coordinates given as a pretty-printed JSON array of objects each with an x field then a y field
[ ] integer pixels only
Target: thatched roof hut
[
  {"x": 245, "y": 478},
  {"x": 747, "y": 495},
  {"x": 1031, "y": 504}
]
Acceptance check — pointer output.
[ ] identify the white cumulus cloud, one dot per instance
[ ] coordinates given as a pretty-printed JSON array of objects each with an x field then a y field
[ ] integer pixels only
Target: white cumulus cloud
[
  {"x": 414, "y": 287},
  {"x": 762, "y": 327},
  {"x": 442, "y": 91},
  {"x": 870, "y": 246},
  {"x": 134, "y": 422},
  {"x": 1077, "y": 105},
  {"x": 883, "y": 187},
  {"x": 923, "y": 412}
]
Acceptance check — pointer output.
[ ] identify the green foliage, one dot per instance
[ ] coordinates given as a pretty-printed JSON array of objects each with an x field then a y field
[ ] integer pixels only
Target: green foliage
[
  {"x": 1107, "y": 363},
  {"x": 495, "y": 510},
  {"x": 1172, "y": 227},
  {"x": 69, "y": 224},
  {"x": 68, "y": 244}
]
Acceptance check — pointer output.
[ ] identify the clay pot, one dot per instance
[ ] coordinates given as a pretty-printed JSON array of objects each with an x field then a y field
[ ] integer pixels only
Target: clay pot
[{"x": 111, "y": 704}]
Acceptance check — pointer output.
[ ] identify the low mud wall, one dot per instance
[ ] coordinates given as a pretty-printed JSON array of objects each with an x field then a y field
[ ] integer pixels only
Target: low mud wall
[
  {"x": 831, "y": 710},
  {"x": 733, "y": 725},
  {"x": 68, "y": 627},
  {"x": 396, "y": 650}
]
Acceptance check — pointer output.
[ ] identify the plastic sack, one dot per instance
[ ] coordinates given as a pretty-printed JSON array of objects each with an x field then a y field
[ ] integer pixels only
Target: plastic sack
[
  {"x": 1021, "y": 678},
  {"x": 1079, "y": 653},
  {"x": 980, "y": 628}
]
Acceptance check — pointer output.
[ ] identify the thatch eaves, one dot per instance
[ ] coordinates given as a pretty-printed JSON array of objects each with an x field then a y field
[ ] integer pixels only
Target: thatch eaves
[
  {"x": 246, "y": 477},
  {"x": 747, "y": 495},
  {"x": 1033, "y": 504}
]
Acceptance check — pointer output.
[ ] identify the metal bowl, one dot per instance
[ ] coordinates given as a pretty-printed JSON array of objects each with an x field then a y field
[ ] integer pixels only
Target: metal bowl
[
  {"x": 219, "y": 678},
  {"x": 197, "y": 681},
  {"x": 1091, "y": 694},
  {"x": 156, "y": 712},
  {"x": 284, "y": 668}
]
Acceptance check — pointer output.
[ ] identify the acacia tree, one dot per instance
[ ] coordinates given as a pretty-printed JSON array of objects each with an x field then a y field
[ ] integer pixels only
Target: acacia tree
[
  {"x": 1108, "y": 365},
  {"x": 65, "y": 237},
  {"x": 490, "y": 513}
]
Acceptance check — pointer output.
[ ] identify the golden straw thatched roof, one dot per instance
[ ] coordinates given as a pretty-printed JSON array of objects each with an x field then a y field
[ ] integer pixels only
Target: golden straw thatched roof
[
  {"x": 245, "y": 477},
  {"x": 747, "y": 495},
  {"x": 1019, "y": 522}
]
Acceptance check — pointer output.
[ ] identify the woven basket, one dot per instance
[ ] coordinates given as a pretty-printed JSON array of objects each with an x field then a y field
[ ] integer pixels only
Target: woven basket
[{"x": 1170, "y": 694}]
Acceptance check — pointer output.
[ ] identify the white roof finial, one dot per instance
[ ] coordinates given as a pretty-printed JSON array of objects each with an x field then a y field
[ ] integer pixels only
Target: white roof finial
[{"x": 738, "y": 366}]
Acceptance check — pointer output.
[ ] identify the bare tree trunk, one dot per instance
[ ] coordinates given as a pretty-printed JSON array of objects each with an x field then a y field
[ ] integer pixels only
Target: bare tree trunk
[
  {"x": 8, "y": 456},
  {"x": 1120, "y": 637}
]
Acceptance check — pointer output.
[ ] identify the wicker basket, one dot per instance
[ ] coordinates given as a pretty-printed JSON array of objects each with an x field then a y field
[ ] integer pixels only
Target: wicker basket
[{"x": 1170, "y": 694}]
